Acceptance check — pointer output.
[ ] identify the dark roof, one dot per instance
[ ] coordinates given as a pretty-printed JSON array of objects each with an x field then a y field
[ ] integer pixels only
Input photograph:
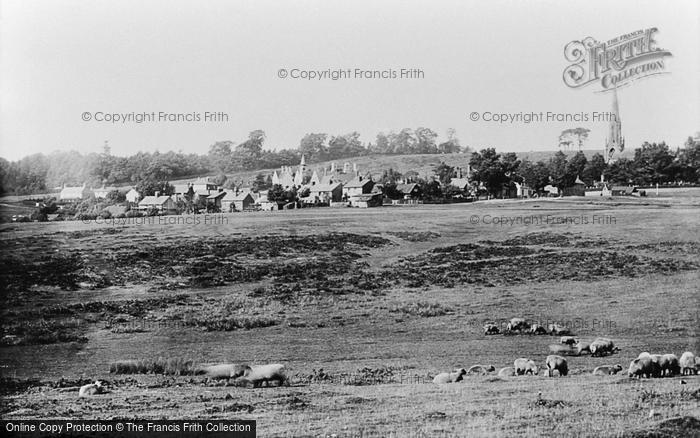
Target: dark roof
[
  {"x": 366, "y": 196},
  {"x": 356, "y": 183},
  {"x": 407, "y": 189}
]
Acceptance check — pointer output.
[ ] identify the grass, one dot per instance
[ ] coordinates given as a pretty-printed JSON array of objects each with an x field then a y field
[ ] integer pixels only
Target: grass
[{"x": 359, "y": 339}]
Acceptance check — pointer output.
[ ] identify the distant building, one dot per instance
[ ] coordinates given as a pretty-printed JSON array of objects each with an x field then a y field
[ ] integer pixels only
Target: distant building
[
  {"x": 615, "y": 142},
  {"x": 366, "y": 200},
  {"x": 358, "y": 186},
  {"x": 163, "y": 204},
  {"x": 237, "y": 201},
  {"x": 410, "y": 191},
  {"x": 326, "y": 193},
  {"x": 133, "y": 196},
  {"x": 215, "y": 199},
  {"x": 74, "y": 194}
]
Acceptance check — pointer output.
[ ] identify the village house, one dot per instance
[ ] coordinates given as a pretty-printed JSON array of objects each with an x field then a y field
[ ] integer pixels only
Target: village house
[
  {"x": 358, "y": 186},
  {"x": 214, "y": 201},
  {"x": 410, "y": 191},
  {"x": 366, "y": 200},
  {"x": 162, "y": 204},
  {"x": 240, "y": 201},
  {"x": 75, "y": 194},
  {"x": 326, "y": 193},
  {"x": 133, "y": 196}
]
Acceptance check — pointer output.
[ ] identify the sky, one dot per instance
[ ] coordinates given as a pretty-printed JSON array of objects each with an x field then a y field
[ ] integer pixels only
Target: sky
[{"x": 62, "y": 59}]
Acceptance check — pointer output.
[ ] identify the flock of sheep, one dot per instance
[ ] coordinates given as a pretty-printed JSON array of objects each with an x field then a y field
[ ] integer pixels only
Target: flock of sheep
[{"x": 646, "y": 365}]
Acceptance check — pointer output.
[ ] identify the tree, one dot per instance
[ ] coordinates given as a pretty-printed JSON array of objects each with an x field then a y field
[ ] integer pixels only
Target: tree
[
  {"x": 279, "y": 195},
  {"x": 444, "y": 173},
  {"x": 425, "y": 141},
  {"x": 622, "y": 171},
  {"x": 115, "y": 197},
  {"x": 149, "y": 187},
  {"x": 313, "y": 147},
  {"x": 535, "y": 175},
  {"x": 450, "y": 146},
  {"x": 652, "y": 163},
  {"x": 576, "y": 167},
  {"x": 220, "y": 155},
  {"x": 573, "y": 137},
  {"x": 557, "y": 171},
  {"x": 489, "y": 170},
  {"x": 261, "y": 182},
  {"x": 594, "y": 169}
]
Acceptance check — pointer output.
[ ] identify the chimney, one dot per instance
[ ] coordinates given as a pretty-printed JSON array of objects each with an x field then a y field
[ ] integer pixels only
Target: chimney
[{"x": 157, "y": 194}]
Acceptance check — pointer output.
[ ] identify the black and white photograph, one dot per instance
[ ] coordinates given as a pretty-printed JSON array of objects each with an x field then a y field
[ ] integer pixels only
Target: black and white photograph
[{"x": 350, "y": 219}]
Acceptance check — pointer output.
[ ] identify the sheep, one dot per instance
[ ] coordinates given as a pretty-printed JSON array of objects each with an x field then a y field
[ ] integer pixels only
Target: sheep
[
  {"x": 583, "y": 347},
  {"x": 568, "y": 340},
  {"x": 606, "y": 370},
  {"x": 506, "y": 372},
  {"x": 91, "y": 389},
  {"x": 555, "y": 362},
  {"x": 688, "y": 363},
  {"x": 452, "y": 377},
  {"x": 536, "y": 329},
  {"x": 517, "y": 324},
  {"x": 524, "y": 366},
  {"x": 259, "y": 374},
  {"x": 644, "y": 367},
  {"x": 669, "y": 365},
  {"x": 558, "y": 330},
  {"x": 602, "y": 347},
  {"x": 481, "y": 369},
  {"x": 223, "y": 371},
  {"x": 491, "y": 328}
]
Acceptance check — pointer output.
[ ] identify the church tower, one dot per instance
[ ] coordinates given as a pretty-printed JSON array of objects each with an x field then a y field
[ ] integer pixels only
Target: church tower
[{"x": 615, "y": 142}]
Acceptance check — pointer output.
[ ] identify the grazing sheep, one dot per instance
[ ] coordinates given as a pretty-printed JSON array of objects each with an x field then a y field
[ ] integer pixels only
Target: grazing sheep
[
  {"x": 602, "y": 347},
  {"x": 517, "y": 324},
  {"x": 223, "y": 371},
  {"x": 506, "y": 372},
  {"x": 688, "y": 363},
  {"x": 644, "y": 354},
  {"x": 524, "y": 366},
  {"x": 558, "y": 330},
  {"x": 669, "y": 365},
  {"x": 259, "y": 374},
  {"x": 91, "y": 389},
  {"x": 490, "y": 328},
  {"x": 481, "y": 369},
  {"x": 606, "y": 370},
  {"x": 555, "y": 362},
  {"x": 644, "y": 367},
  {"x": 583, "y": 347},
  {"x": 568, "y": 340},
  {"x": 536, "y": 329},
  {"x": 452, "y": 377}
]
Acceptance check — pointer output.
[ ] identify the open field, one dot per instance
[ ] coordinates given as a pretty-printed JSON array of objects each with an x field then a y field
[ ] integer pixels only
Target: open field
[{"x": 363, "y": 307}]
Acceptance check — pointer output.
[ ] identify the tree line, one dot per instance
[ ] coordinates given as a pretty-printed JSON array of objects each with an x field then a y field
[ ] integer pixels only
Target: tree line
[{"x": 41, "y": 173}]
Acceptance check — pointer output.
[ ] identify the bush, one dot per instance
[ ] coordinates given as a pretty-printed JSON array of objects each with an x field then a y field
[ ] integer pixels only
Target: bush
[
  {"x": 85, "y": 216},
  {"x": 133, "y": 213},
  {"x": 121, "y": 215},
  {"x": 105, "y": 214}
]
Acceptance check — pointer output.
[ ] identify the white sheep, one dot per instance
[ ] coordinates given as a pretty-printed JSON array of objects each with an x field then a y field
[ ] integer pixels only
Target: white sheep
[
  {"x": 524, "y": 366},
  {"x": 506, "y": 372},
  {"x": 688, "y": 363},
  {"x": 606, "y": 370},
  {"x": 452, "y": 377},
  {"x": 91, "y": 389},
  {"x": 259, "y": 374},
  {"x": 481, "y": 369}
]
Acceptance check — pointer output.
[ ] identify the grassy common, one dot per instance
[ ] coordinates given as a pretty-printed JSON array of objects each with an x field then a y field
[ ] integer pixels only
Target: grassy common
[{"x": 363, "y": 307}]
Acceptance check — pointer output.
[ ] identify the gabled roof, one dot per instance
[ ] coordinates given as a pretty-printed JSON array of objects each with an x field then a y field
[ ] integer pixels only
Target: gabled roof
[
  {"x": 232, "y": 196},
  {"x": 216, "y": 195},
  {"x": 459, "y": 182},
  {"x": 324, "y": 187},
  {"x": 154, "y": 200},
  {"x": 406, "y": 189},
  {"x": 356, "y": 183}
]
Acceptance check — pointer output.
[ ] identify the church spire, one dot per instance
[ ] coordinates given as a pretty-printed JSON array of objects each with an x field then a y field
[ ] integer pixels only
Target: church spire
[{"x": 615, "y": 143}]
